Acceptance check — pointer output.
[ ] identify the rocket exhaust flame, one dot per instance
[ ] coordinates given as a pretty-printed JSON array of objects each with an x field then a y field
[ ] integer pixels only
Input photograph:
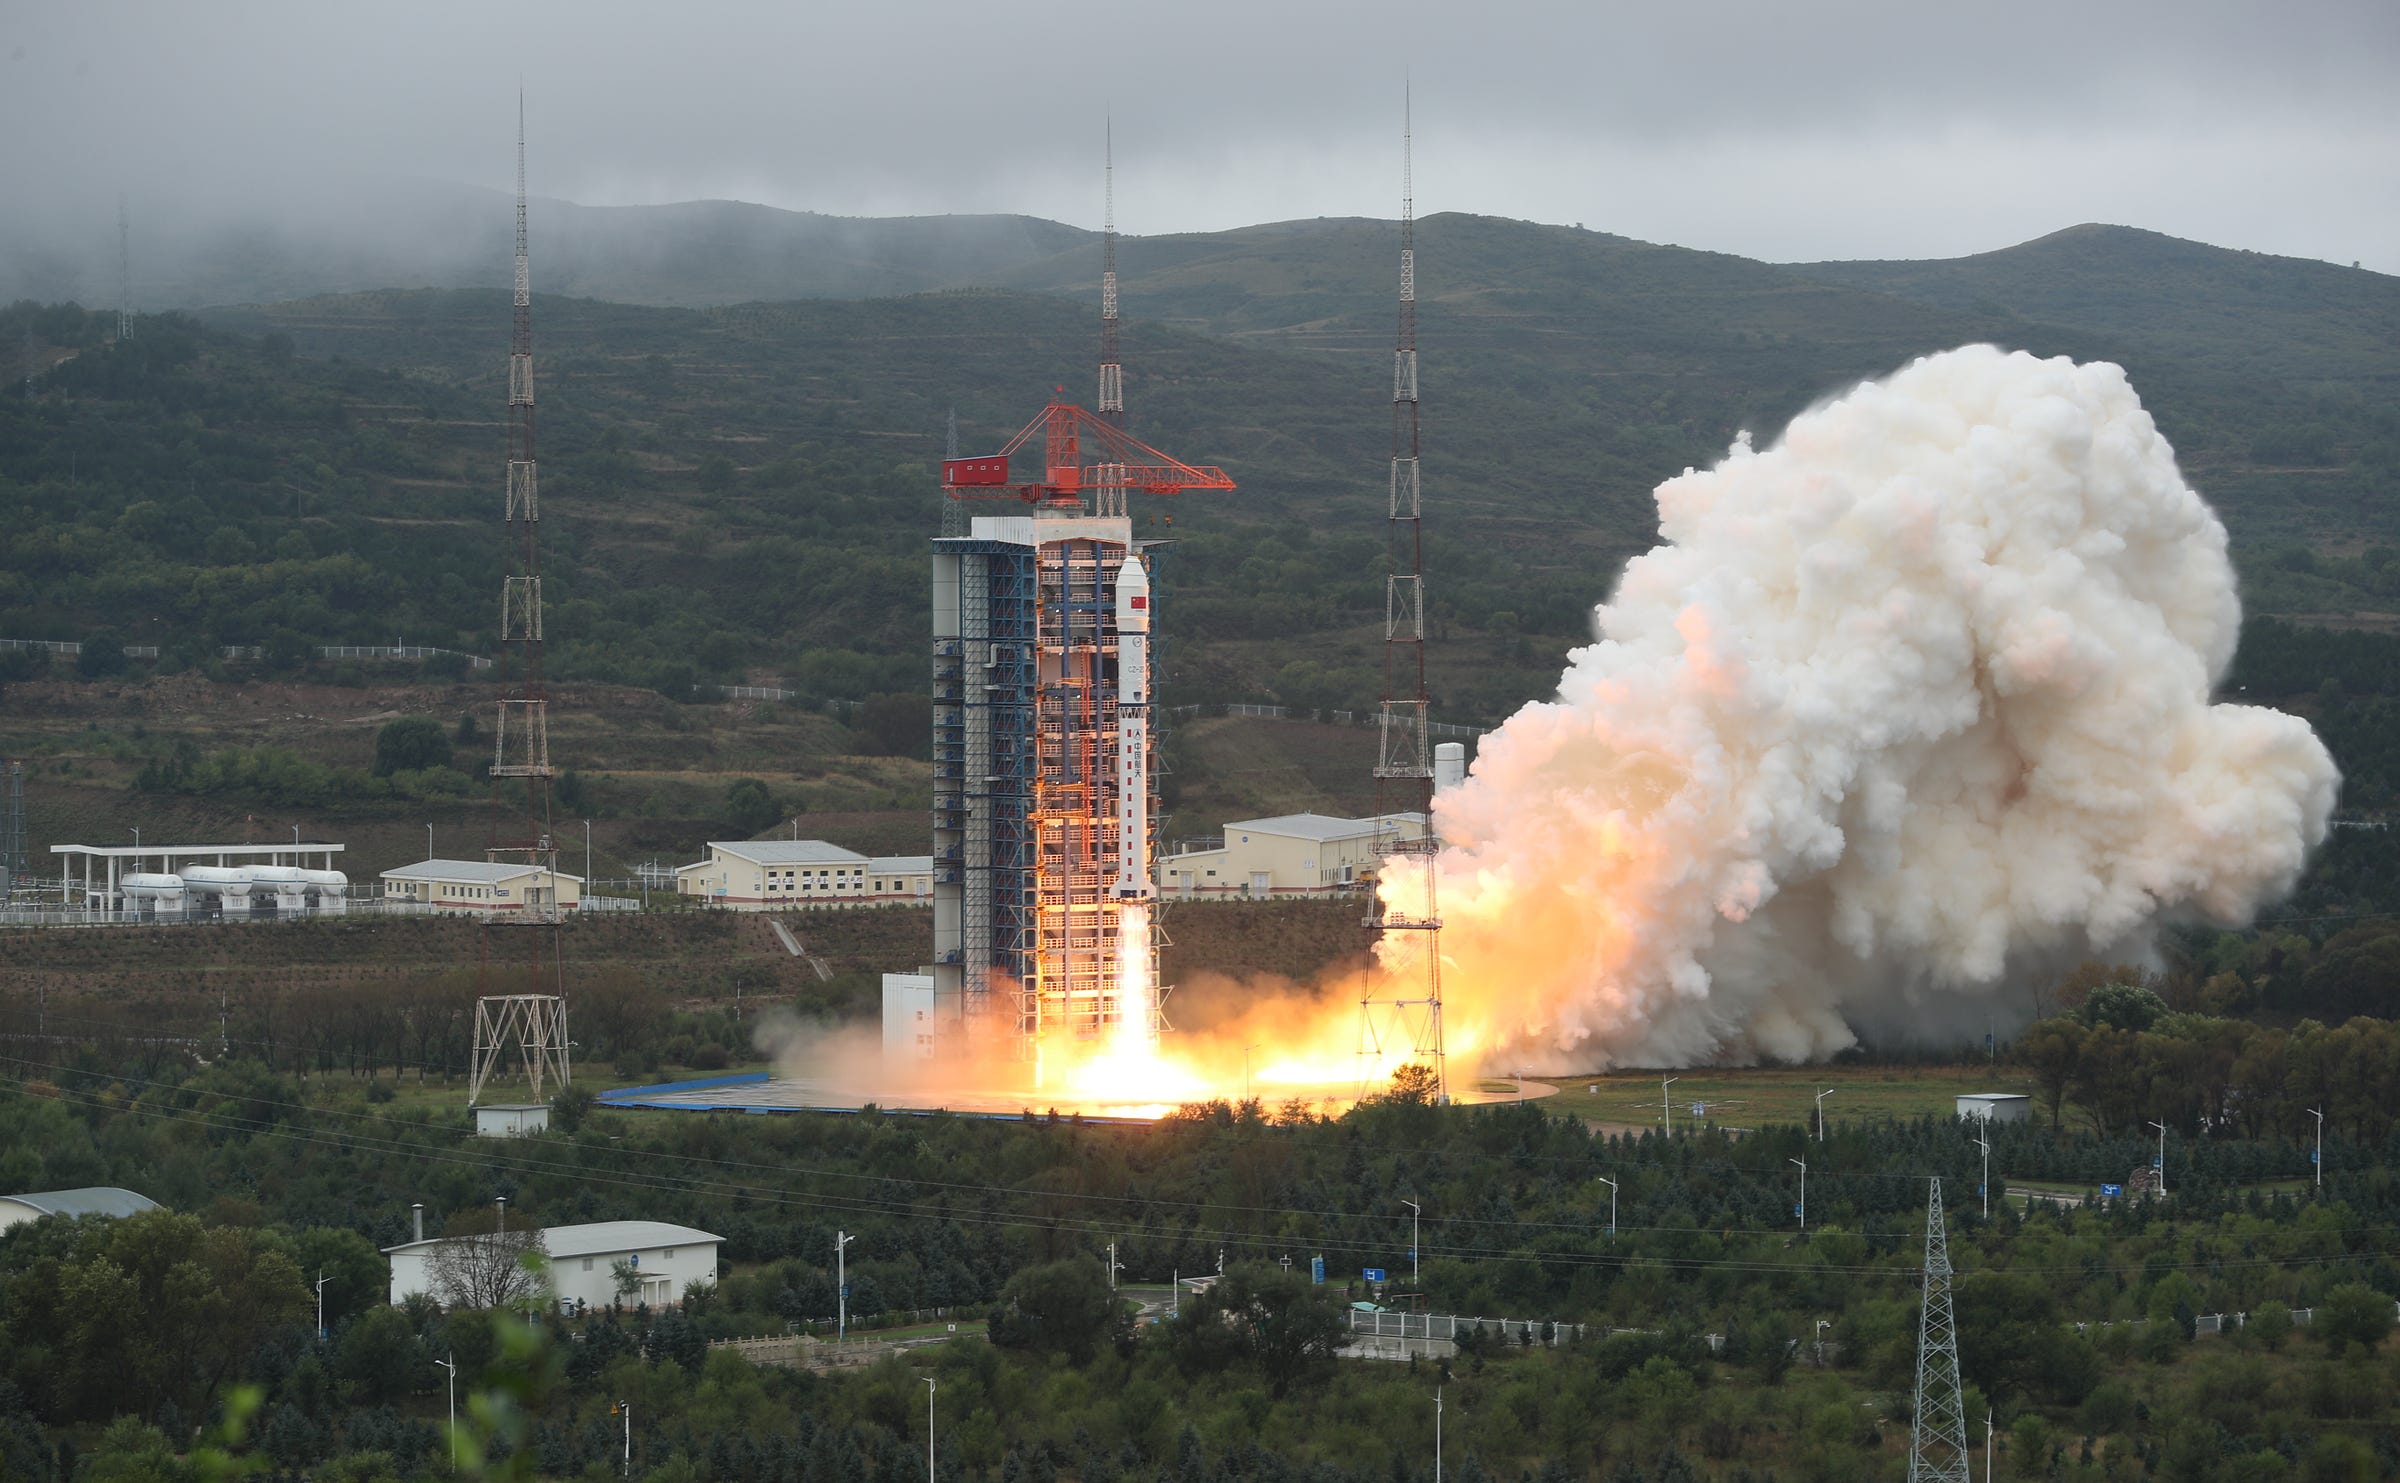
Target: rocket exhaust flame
[{"x": 1903, "y": 711}]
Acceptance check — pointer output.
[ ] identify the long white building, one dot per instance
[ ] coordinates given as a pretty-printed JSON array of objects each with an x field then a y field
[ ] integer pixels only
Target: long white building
[
  {"x": 662, "y": 1259},
  {"x": 1289, "y": 855},
  {"x": 483, "y": 886},
  {"x": 785, "y": 874}
]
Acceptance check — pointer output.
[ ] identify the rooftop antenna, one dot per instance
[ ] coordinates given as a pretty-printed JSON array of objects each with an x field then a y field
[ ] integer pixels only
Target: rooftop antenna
[
  {"x": 1938, "y": 1448},
  {"x": 536, "y": 1015},
  {"x": 124, "y": 272},
  {"x": 1404, "y": 753}
]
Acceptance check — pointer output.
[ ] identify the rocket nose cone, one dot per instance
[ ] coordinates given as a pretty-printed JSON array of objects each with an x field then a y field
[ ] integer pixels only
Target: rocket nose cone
[{"x": 1133, "y": 574}]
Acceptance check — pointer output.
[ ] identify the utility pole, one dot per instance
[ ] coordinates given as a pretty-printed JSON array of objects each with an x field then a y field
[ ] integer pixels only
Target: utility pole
[
  {"x": 451, "y": 1365},
  {"x": 2318, "y": 1158},
  {"x": 841, "y": 1278},
  {"x": 1801, "y": 1209},
  {"x": 1821, "y": 1096},
  {"x": 1413, "y": 1213},
  {"x": 587, "y": 854},
  {"x": 501, "y": 1201},
  {"x": 320, "y": 1305},
  {"x": 1666, "y": 1106},
  {"x": 627, "y": 1408},
  {"x": 1938, "y": 1447},
  {"x": 1437, "y": 1434},
  {"x": 1612, "y": 1201},
  {"x": 930, "y": 1388},
  {"x": 1113, "y": 1268},
  {"x": 2162, "y": 1158},
  {"x": 1983, "y": 1139}
]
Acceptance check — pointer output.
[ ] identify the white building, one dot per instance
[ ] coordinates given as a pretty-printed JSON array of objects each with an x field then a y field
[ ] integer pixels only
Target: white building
[
  {"x": 774, "y": 874},
  {"x": 1997, "y": 1107},
  {"x": 662, "y": 1259},
  {"x": 1290, "y": 855},
  {"x": 908, "y": 1026},
  {"x": 104, "y": 1199},
  {"x": 482, "y": 885}
]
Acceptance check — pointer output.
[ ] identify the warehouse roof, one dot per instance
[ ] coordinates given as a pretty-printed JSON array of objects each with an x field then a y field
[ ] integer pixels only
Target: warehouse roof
[
  {"x": 900, "y": 865},
  {"x": 1318, "y": 827},
  {"x": 599, "y": 1238},
  {"x": 105, "y": 1199},
  {"x": 787, "y": 852},
  {"x": 479, "y": 872}
]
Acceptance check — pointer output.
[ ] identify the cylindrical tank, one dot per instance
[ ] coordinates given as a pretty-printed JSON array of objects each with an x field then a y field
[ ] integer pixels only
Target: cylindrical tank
[
  {"x": 216, "y": 878},
  {"x": 330, "y": 878},
  {"x": 281, "y": 877},
  {"x": 151, "y": 883},
  {"x": 1449, "y": 765}
]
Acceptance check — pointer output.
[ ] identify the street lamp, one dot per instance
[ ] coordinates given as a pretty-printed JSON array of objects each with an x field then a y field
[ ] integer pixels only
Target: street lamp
[
  {"x": 1413, "y": 1213},
  {"x": 1821, "y": 1096},
  {"x": 1666, "y": 1106},
  {"x": 320, "y": 1304},
  {"x": 587, "y": 854},
  {"x": 1114, "y": 1266},
  {"x": 841, "y": 1278},
  {"x": 2162, "y": 1156},
  {"x": 1802, "y": 1209},
  {"x": 451, "y": 1365},
  {"x": 501, "y": 1201},
  {"x": 930, "y": 1387},
  {"x": 1612, "y": 1201},
  {"x": 429, "y": 842},
  {"x": 2318, "y": 1158}
]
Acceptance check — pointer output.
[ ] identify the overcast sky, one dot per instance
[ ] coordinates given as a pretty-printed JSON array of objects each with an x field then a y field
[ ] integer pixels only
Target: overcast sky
[{"x": 1839, "y": 128}]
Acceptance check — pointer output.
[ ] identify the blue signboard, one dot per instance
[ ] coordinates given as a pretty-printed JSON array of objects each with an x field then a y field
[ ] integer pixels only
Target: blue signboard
[
  {"x": 1316, "y": 1270},
  {"x": 2111, "y": 1191},
  {"x": 1373, "y": 1274}
]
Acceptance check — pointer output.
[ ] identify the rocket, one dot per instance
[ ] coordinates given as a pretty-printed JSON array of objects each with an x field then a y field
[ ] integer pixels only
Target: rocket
[
  {"x": 1138, "y": 1019},
  {"x": 1134, "y": 876}
]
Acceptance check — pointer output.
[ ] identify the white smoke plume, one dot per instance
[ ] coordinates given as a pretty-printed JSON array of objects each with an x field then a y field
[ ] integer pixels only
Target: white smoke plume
[{"x": 1906, "y": 708}]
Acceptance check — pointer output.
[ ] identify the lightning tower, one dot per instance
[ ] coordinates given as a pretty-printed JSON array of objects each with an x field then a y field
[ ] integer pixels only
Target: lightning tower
[
  {"x": 1412, "y": 1015},
  {"x": 1938, "y": 1447},
  {"x": 124, "y": 272},
  {"x": 521, "y": 737}
]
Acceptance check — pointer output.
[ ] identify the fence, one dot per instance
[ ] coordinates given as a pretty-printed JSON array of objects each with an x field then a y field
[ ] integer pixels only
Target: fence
[
  {"x": 396, "y": 651},
  {"x": 413, "y": 652},
  {"x": 1442, "y": 730},
  {"x": 62, "y": 916},
  {"x": 1447, "y": 1327}
]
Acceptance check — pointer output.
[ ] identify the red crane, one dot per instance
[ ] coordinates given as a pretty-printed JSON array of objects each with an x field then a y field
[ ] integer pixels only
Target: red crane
[{"x": 1080, "y": 451}]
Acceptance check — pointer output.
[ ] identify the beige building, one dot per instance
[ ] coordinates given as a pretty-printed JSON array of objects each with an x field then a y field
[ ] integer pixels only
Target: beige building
[
  {"x": 482, "y": 885},
  {"x": 773, "y": 874},
  {"x": 1291, "y": 855}
]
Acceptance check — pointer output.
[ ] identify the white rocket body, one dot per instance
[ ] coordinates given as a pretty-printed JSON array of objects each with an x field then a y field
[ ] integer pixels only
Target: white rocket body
[{"x": 1137, "y": 973}]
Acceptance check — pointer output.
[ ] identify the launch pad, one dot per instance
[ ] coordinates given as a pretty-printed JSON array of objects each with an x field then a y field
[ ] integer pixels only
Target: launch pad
[{"x": 764, "y": 1092}]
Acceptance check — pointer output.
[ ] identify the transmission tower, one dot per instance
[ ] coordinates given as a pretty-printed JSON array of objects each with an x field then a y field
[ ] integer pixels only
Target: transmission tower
[
  {"x": 519, "y": 1034},
  {"x": 1112, "y": 372},
  {"x": 521, "y": 737},
  {"x": 124, "y": 272},
  {"x": 12, "y": 829},
  {"x": 1404, "y": 752},
  {"x": 1938, "y": 1451}
]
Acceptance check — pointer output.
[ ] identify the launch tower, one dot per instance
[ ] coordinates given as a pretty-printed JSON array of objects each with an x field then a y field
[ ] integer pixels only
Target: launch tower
[{"x": 1044, "y": 778}]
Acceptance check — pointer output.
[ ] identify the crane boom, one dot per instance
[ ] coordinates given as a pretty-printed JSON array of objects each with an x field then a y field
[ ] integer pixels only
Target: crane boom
[{"x": 1080, "y": 450}]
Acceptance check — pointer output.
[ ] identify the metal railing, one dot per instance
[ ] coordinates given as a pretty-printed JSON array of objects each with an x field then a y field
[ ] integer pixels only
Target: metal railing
[{"x": 1253, "y": 711}]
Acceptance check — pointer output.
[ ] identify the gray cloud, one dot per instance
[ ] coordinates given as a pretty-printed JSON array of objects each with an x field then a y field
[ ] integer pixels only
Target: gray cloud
[{"x": 1837, "y": 129}]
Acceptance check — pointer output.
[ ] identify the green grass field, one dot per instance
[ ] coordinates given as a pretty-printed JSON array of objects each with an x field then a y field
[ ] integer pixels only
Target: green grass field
[{"x": 1750, "y": 1097}]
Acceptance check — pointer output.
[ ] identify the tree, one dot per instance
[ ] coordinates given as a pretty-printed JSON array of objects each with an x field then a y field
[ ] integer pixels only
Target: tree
[
  {"x": 2352, "y": 1313},
  {"x": 410, "y": 744},
  {"x": 102, "y": 655},
  {"x": 1277, "y": 1319},
  {"x": 1063, "y": 1307},
  {"x": 2122, "y": 1006},
  {"x": 897, "y": 725},
  {"x": 751, "y": 807},
  {"x": 380, "y": 1357},
  {"x": 491, "y": 1269}
]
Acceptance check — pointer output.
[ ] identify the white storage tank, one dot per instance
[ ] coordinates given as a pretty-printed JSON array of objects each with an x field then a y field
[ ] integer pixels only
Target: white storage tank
[
  {"x": 225, "y": 886},
  {"x": 279, "y": 888},
  {"x": 151, "y": 892},
  {"x": 1449, "y": 765},
  {"x": 325, "y": 891}
]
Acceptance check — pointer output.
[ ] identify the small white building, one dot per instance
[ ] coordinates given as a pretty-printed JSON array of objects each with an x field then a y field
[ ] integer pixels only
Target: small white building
[
  {"x": 483, "y": 885},
  {"x": 105, "y": 1199},
  {"x": 661, "y": 1259},
  {"x": 1995, "y": 1107},
  {"x": 779, "y": 874},
  {"x": 511, "y": 1119},
  {"x": 908, "y": 1024},
  {"x": 1290, "y": 855}
]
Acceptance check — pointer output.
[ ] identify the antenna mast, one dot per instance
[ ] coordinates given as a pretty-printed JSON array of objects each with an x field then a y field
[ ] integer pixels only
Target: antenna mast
[
  {"x": 521, "y": 740},
  {"x": 1404, "y": 754}
]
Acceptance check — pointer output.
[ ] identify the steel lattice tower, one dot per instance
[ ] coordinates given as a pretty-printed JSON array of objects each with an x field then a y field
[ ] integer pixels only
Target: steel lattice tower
[
  {"x": 1404, "y": 752},
  {"x": 1112, "y": 373},
  {"x": 1938, "y": 1450},
  {"x": 124, "y": 272},
  {"x": 521, "y": 738}
]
